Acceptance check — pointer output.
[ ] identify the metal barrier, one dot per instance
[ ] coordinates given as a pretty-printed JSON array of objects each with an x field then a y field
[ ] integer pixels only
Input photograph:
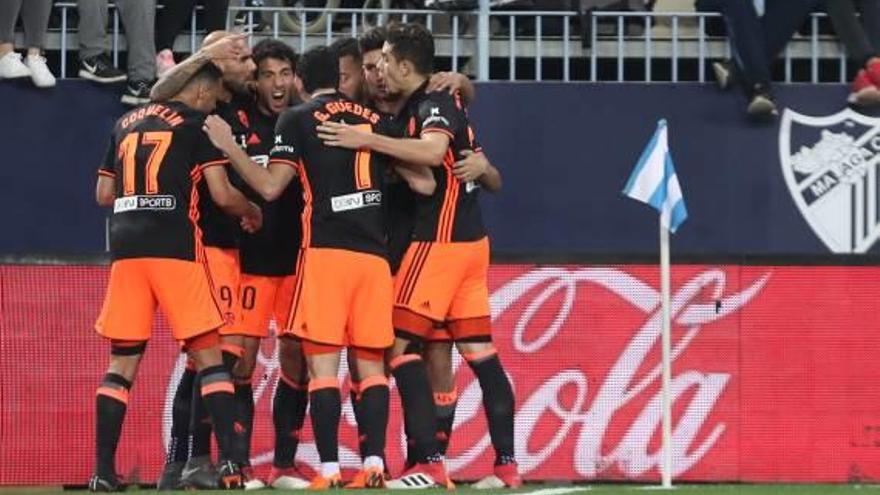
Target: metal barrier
[{"x": 487, "y": 44}]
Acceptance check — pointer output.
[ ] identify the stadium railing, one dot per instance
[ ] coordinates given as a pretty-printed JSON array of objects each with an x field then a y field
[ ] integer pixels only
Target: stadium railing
[{"x": 490, "y": 46}]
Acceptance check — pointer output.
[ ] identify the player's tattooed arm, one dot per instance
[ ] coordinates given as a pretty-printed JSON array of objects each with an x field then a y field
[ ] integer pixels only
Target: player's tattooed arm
[
  {"x": 427, "y": 150},
  {"x": 268, "y": 182},
  {"x": 420, "y": 179},
  {"x": 452, "y": 82},
  {"x": 176, "y": 78},
  {"x": 105, "y": 190},
  {"x": 476, "y": 166}
]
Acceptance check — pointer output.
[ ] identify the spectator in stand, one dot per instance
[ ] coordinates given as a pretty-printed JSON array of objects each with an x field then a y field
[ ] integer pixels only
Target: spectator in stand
[
  {"x": 756, "y": 42},
  {"x": 862, "y": 40},
  {"x": 35, "y": 17},
  {"x": 175, "y": 16},
  {"x": 138, "y": 19}
]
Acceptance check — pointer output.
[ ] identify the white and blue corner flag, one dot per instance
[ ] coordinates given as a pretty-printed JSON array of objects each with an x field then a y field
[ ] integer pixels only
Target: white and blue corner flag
[{"x": 654, "y": 182}]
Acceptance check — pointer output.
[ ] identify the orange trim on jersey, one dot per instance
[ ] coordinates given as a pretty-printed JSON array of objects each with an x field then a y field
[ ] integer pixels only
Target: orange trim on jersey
[
  {"x": 403, "y": 359},
  {"x": 194, "y": 214},
  {"x": 222, "y": 386},
  {"x": 436, "y": 129},
  {"x": 450, "y": 198},
  {"x": 107, "y": 173},
  {"x": 476, "y": 356},
  {"x": 319, "y": 383},
  {"x": 114, "y": 393},
  {"x": 212, "y": 163},
  {"x": 307, "y": 208},
  {"x": 284, "y": 162}
]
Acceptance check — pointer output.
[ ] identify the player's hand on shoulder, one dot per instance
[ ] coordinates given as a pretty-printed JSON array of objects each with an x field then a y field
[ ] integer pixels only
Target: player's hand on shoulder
[
  {"x": 471, "y": 167},
  {"x": 219, "y": 133},
  {"x": 446, "y": 81},
  {"x": 253, "y": 221},
  {"x": 342, "y": 135}
]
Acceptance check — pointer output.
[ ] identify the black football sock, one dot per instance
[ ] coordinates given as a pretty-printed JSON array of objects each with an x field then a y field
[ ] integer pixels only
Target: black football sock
[
  {"x": 199, "y": 423},
  {"x": 445, "y": 403},
  {"x": 111, "y": 403},
  {"x": 418, "y": 407},
  {"x": 374, "y": 416},
  {"x": 218, "y": 394},
  {"x": 288, "y": 415},
  {"x": 244, "y": 423},
  {"x": 498, "y": 403},
  {"x": 326, "y": 409}
]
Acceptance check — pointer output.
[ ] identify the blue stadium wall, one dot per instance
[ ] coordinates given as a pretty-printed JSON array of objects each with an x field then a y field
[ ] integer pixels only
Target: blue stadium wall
[{"x": 565, "y": 151}]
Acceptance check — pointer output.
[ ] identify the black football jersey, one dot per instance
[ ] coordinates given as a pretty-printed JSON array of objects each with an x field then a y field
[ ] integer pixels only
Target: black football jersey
[
  {"x": 342, "y": 189},
  {"x": 452, "y": 213},
  {"x": 272, "y": 250},
  {"x": 219, "y": 228},
  {"x": 156, "y": 154}
]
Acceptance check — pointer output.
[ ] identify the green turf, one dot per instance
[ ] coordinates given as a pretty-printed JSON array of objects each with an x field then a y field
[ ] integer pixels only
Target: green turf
[{"x": 596, "y": 489}]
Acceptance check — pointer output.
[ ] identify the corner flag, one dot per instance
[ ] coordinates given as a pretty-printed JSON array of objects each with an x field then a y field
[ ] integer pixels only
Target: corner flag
[{"x": 654, "y": 182}]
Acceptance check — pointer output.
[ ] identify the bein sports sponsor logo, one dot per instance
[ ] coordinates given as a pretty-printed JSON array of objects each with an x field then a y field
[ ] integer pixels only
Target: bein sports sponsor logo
[
  {"x": 830, "y": 165},
  {"x": 616, "y": 430},
  {"x": 157, "y": 202},
  {"x": 356, "y": 200}
]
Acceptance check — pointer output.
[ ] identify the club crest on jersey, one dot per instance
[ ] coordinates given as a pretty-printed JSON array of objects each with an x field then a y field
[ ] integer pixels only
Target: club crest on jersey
[
  {"x": 830, "y": 165},
  {"x": 435, "y": 117}
]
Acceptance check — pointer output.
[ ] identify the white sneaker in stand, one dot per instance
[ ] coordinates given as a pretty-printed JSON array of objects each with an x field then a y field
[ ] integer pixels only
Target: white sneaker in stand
[
  {"x": 12, "y": 68},
  {"x": 40, "y": 73}
]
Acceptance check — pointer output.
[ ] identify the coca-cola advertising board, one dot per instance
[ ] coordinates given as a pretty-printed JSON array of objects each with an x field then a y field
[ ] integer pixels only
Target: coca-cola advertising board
[{"x": 774, "y": 377}]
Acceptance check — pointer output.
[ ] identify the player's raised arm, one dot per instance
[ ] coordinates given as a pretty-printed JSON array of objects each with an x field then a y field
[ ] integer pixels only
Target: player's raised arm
[
  {"x": 217, "y": 46},
  {"x": 268, "y": 182}
]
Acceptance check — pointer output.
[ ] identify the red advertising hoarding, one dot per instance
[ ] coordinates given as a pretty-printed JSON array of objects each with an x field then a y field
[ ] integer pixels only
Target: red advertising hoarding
[{"x": 774, "y": 377}]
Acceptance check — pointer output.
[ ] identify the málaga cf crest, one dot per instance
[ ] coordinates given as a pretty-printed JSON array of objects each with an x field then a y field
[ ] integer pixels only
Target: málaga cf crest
[{"x": 830, "y": 166}]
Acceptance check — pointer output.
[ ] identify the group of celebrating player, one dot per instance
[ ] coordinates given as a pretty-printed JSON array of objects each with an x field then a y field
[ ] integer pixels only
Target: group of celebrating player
[{"x": 336, "y": 192}]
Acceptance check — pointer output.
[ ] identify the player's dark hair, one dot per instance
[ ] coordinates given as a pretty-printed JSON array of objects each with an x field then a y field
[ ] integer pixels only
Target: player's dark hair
[
  {"x": 207, "y": 73},
  {"x": 318, "y": 68},
  {"x": 272, "y": 48},
  {"x": 373, "y": 39},
  {"x": 347, "y": 47},
  {"x": 414, "y": 43}
]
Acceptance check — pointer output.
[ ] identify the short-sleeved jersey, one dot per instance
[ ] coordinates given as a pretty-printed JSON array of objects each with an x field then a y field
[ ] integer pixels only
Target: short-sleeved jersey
[
  {"x": 156, "y": 154},
  {"x": 272, "y": 250},
  {"x": 220, "y": 229},
  {"x": 342, "y": 189},
  {"x": 452, "y": 213}
]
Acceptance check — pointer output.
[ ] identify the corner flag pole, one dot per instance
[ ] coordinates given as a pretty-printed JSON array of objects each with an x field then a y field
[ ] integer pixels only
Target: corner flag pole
[
  {"x": 666, "y": 466},
  {"x": 653, "y": 181}
]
